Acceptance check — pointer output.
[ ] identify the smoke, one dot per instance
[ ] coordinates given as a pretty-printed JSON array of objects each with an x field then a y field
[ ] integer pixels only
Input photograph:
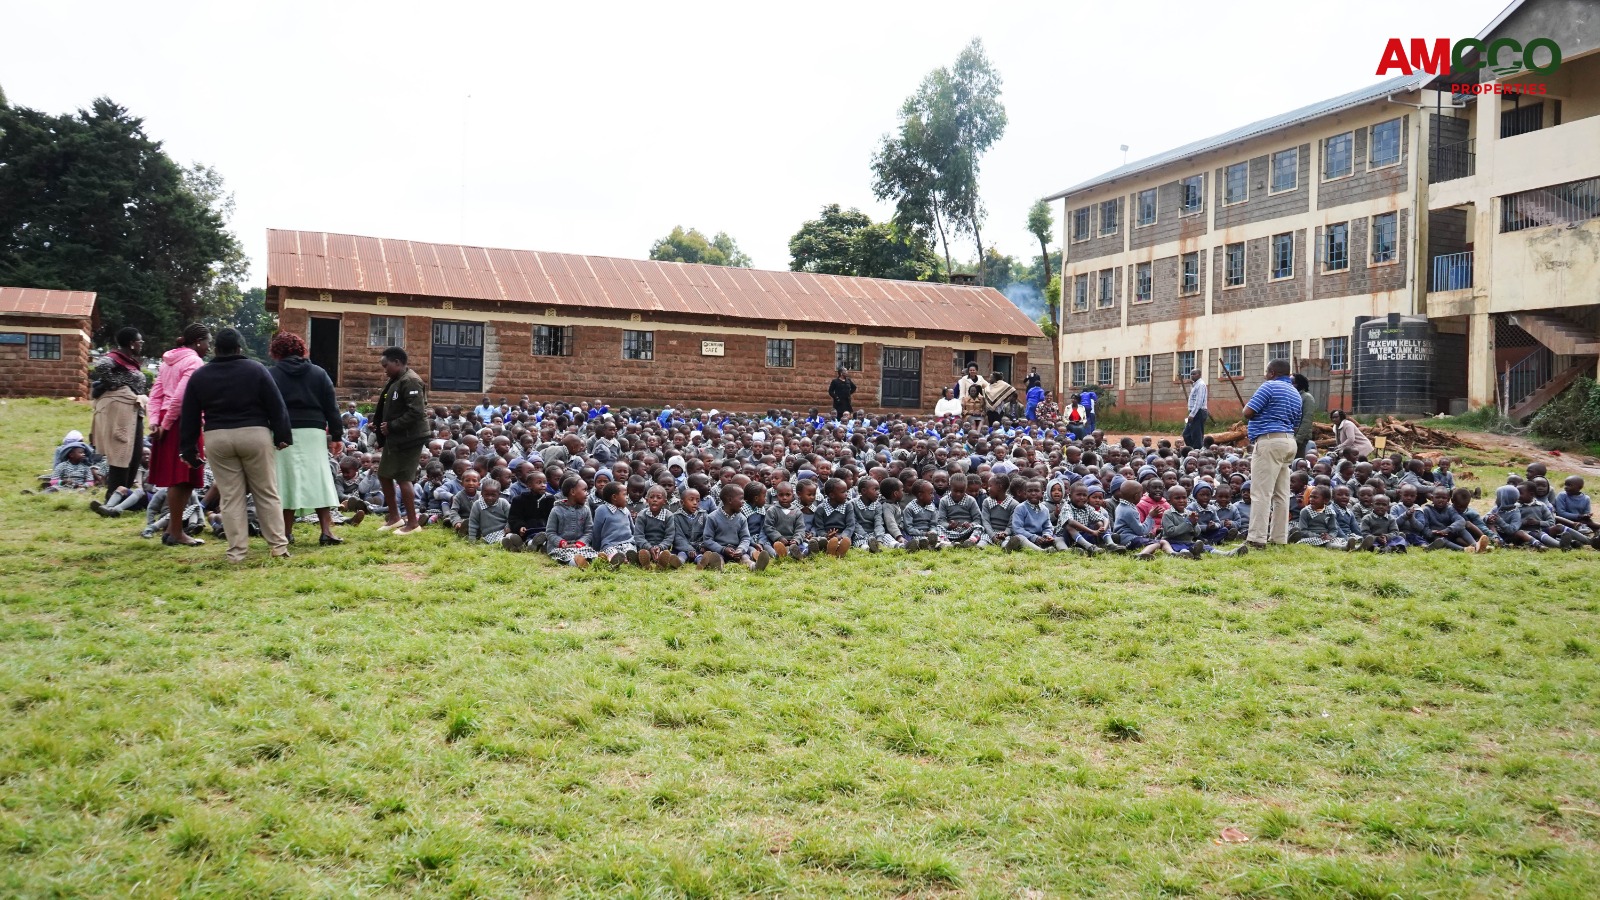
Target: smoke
[{"x": 1025, "y": 297}]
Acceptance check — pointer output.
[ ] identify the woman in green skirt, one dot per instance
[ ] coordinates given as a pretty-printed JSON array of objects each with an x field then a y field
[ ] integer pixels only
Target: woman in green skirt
[{"x": 305, "y": 476}]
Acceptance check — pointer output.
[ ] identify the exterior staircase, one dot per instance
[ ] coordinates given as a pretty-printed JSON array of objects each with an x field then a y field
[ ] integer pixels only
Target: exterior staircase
[
  {"x": 1562, "y": 336},
  {"x": 1548, "y": 391}
]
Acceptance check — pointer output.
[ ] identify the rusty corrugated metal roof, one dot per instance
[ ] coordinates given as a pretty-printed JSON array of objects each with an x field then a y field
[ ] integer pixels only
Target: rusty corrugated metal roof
[
  {"x": 41, "y": 302},
  {"x": 339, "y": 262}
]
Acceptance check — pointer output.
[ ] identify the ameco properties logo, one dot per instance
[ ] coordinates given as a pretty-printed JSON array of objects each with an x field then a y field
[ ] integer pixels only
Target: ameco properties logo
[{"x": 1505, "y": 57}]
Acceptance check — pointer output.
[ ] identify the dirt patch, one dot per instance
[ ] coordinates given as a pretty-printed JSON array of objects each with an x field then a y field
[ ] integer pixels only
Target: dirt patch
[
  {"x": 1524, "y": 449},
  {"x": 410, "y": 572}
]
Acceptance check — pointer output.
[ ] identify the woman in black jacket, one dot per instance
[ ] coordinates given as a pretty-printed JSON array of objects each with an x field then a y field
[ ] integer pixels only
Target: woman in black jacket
[
  {"x": 840, "y": 389},
  {"x": 305, "y": 477}
]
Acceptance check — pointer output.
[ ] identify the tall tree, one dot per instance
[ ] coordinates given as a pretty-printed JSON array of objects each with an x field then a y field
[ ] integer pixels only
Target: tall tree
[
  {"x": 89, "y": 202},
  {"x": 971, "y": 119},
  {"x": 903, "y": 172},
  {"x": 848, "y": 242},
  {"x": 1040, "y": 225},
  {"x": 691, "y": 246},
  {"x": 255, "y": 324}
]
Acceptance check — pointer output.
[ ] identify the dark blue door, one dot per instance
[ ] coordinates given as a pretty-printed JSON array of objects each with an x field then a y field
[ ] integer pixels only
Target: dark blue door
[
  {"x": 902, "y": 377},
  {"x": 457, "y": 357}
]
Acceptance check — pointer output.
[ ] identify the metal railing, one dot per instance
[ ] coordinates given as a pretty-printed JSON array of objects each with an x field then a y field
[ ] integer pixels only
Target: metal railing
[
  {"x": 1560, "y": 204},
  {"x": 1524, "y": 377},
  {"x": 1521, "y": 120},
  {"x": 1451, "y": 272},
  {"x": 1448, "y": 162}
]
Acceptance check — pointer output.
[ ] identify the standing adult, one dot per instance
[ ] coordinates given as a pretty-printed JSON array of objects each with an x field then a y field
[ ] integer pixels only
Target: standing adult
[
  {"x": 1349, "y": 436},
  {"x": 1273, "y": 413},
  {"x": 1308, "y": 410},
  {"x": 1194, "y": 426},
  {"x": 402, "y": 418},
  {"x": 167, "y": 468},
  {"x": 1091, "y": 407},
  {"x": 120, "y": 391},
  {"x": 235, "y": 400},
  {"x": 968, "y": 381},
  {"x": 304, "y": 479},
  {"x": 840, "y": 390},
  {"x": 996, "y": 396}
]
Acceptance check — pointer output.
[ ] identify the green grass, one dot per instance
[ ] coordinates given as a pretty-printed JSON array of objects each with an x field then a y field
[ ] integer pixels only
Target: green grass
[{"x": 421, "y": 717}]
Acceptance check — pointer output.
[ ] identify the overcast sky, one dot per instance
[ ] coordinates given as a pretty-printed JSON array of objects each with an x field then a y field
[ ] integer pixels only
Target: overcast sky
[{"x": 596, "y": 127}]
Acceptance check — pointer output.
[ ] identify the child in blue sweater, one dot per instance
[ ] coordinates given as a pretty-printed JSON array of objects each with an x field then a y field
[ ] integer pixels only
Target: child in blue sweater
[
  {"x": 612, "y": 533},
  {"x": 1126, "y": 526},
  {"x": 1031, "y": 528},
  {"x": 727, "y": 534}
]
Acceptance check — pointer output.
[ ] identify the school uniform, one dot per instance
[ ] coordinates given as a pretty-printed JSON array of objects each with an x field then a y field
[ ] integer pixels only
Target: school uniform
[
  {"x": 1076, "y": 524},
  {"x": 867, "y": 524},
  {"x": 755, "y": 518},
  {"x": 726, "y": 533},
  {"x": 567, "y": 533},
  {"x": 1031, "y": 521},
  {"x": 1180, "y": 533},
  {"x": 996, "y": 519},
  {"x": 1539, "y": 520},
  {"x": 1384, "y": 532},
  {"x": 487, "y": 523},
  {"x": 920, "y": 524},
  {"x": 1573, "y": 507},
  {"x": 1313, "y": 524},
  {"x": 829, "y": 518},
  {"x": 653, "y": 531},
  {"x": 1447, "y": 519},
  {"x": 958, "y": 519},
  {"x": 460, "y": 509},
  {"x": 786, "y": 524},
  {"x": 689, "y": 534},
  {"x": 611, "y": 531},
  {"x": 1127, "y": 529},
  {"x": 530, "y": 513}
]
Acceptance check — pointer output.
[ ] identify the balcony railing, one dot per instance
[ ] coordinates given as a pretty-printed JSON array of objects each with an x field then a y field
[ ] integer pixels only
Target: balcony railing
[
  {"x": 1451, "y": 272},
  {"x": 1559, "y": 204},
  {"x": 1525, "y": 376},
  {"x": 1448, "y": 162}
]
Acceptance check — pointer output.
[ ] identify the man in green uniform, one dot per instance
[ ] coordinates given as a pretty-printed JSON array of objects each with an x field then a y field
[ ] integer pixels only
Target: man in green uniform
[{"x": 402, "y": 420}]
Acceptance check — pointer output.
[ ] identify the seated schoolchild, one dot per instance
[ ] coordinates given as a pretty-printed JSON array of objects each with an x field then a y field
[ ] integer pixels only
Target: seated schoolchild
[
  {"x": 727, "y": 534},
  {"x": 782, "y": 524},
  {"x": 1347, "y": 517},
  {"x": 997, "y": 505},
  {"x": 1083, "y": 525},
  {"x": 1446, "y": 527},
  {"x": 1482, "y": 535},
  {"x": 1031, "y": 527},
  {"x": 1539, "y": 520},
  {"x": 1407, "y": 514},
  {"x": 530, "y": 515},
  {"x": 487, "y": 520},
  {"x": 1442, "y": 476},
  {"x": 73, "y": 472},
  {"x": 893, "y": 493},
  {"x": 1379, "y": 530},
  {"x": 1506, "y": 519},
  {"x": 920, "y": 519},
  {"x": 570, "y": 524},
  {"x": 1180, "y": 529},
  {"x": 1128, "y": 529},
  {"x": 653, "y": 531},
  {"x": 1572, "y": 505},
  {"x": 689, "y": 533},
  {"x": 833, "y": 520},
  {"x": 959, "y": 513},
  {"x": 460, "y": 510},
  {"x": 1318, "y": 525},
  {"x": 612, "y": 531},
  {"x": 866, "y": 517},
  {"x": 755, "y": 516}
]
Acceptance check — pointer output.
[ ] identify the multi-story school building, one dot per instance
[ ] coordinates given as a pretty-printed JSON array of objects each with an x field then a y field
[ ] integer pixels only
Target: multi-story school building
[
  {"x": 44, "y": 342},
  {"x": 478, "y": 321},
  {"x": 1457, "y": 215}
]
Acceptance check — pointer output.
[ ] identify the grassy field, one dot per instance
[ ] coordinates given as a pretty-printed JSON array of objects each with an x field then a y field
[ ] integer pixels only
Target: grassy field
[{"x": 419, "y": 717}]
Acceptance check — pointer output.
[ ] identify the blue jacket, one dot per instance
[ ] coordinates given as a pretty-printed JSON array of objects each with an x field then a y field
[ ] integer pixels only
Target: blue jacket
[
  {"x": 1571, "y": 506},
  {"x": 612, "y": 526},
  {"x": 1125, "y": 524}
]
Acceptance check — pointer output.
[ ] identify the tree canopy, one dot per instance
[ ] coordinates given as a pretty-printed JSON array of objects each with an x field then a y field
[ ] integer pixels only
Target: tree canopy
[
  {"x": 929, "y": 166},
  {"x": 693, "y": 247},
  {"x": 848, "y": 242},
  {"x": 89, "y": 202}
]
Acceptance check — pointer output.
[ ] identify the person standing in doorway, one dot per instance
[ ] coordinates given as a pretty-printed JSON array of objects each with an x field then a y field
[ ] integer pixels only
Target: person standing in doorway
[
  {"x": 1273, "y": 413},
  {"x": 840, "y": 390},
  {"x": 402, "y": 417},
  {"x": 1194, "y": 426}
]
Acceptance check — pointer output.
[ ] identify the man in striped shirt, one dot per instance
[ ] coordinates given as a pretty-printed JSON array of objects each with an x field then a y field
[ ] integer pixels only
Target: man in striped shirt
[
  {"x": 1194, "y": 427},
  {"x": 1273, "y": 414}
]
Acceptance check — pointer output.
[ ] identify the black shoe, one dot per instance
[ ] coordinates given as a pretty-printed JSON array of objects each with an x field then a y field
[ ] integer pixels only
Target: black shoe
[
  {"x": 328, "y": 540},
  {"x": 167, "y": 539}
]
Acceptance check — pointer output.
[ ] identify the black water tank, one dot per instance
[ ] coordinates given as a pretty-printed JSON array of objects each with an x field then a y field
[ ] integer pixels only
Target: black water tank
[{"x": 1393, "y": 358}]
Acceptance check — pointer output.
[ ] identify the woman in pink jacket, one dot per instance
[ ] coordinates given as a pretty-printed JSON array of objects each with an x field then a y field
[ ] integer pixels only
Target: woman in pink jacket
[{"x": 166, "y": 407}]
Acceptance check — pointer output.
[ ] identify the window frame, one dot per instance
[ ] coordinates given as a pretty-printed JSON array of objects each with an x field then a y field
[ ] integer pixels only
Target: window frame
[
  {"x": 1223, "y": 369},
  {"x": 373, "y": 320},
  {"x": 1372, "y": 144},
  {"x": 1394, "y": 240},
  {"x": 785, "y": 354},
  {"x": 1327, "y": 247},
  {"x": 558, "y": 337},
  {"x": 1106, "y": 299},
  {"x": 1080, "y": 292},
  {"x": 1143, "y": 283},
  {"x": 1105, "y": 373},
  {"x": 1180, "y": 369},
  {"x": 1274, "y": 268},
  {"x": 1139, "y": 198},
  {"x": 644, "y": 345},
  {"x": 1272, "y": 172},
  {"x": 1080, "y": 372},
  {"x": 1227, "y": 183},
  {"x": 44, "y": 347},
  {"x": 842, "y": 347},
  {"x": 1149, "y": 369},
  {"x": 1184, "y": 209},
  {"x": 1227, "y": 266},
  {"x": 1109, "y": 206},
  {"x": 1350, "y": 155},
  {"x": 1344, "y": 343},
  {"x": 1267, "y": 357},
  {"x": 1184, "y": 288},
  {"x": 1079, "y": 235}
]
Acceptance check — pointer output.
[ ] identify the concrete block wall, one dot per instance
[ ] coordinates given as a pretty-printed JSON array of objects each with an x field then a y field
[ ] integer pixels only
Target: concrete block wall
[{"x": 24, "y": 377}]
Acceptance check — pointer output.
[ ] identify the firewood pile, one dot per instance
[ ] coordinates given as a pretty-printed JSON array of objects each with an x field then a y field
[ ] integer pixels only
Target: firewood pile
[{"x": 1400, "y": 433}]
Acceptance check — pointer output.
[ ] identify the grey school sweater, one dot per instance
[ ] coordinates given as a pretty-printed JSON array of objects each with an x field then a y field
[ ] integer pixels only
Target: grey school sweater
[
  {"x": 652, "y": 531},
  {"x": 958, "y": 516},
  {"x": 486, "y": 520},
  {"x": 568, "y": 524},
  {"x": 782, "y": 523},
  {"x": 918, "y": 520}
]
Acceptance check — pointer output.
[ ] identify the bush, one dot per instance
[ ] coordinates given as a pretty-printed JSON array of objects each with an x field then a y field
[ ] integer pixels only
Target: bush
[{"x": 1573, "y": 417}]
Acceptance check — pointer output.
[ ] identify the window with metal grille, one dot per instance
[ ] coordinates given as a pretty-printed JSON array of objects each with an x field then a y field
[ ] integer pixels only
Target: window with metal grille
[
  {"x": 1337, "y": 350},
  {"x": 1191, "y": 273},
  {"x": 1141, "y": 283},
  {"x": 1107, "y": 287},
  {"x": 1521, "y": 119},
  {"x": 1236, "y": 183},
  {"x": 1080, "y": 293},
  {"x": 1336, "y": 247},
  {"x": 780, "y": 353},
  {"x": 44, "y": 346},
  {"x": 1383, "y": 147},
  {"x": 1080, "y": 373},
  {"x": 1559, "y": 204},
  {"x": 1147, "y": 207},
  {"x": 1080, "y": 224},
  {"x": 1336, "y": 155},
  {"x": 386, "y": 331},
  {"x": 1141, "y": 369},
  {"x": 1285, "y": 170},
  {"x": 847, "y": 357},
  {"x": 552, "y": 340},
  {"x": 1231, "y": 361},
  {"x": 639, "y": 345},
  {"x": 1108, "y": 217},
  {"x": 1185, "y": 362},
  {"x": 1282, "y": 255},
  {"x": 1194, "y": 195},
  {"x": 1383, "y": 237},
  {"x": 1105, "y": 371},
  {"x": 1278, "y": 350},
  {"x": 1233, "y": 272}
]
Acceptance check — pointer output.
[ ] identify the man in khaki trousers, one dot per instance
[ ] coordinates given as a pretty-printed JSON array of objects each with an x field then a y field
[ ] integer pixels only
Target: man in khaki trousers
[
  {"x": 245, "y": 421},
  {"x": 1273, "y": 414}
]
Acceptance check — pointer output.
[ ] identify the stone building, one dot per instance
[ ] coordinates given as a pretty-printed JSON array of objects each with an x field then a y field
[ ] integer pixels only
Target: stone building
[{"x": 44, "y": 342}]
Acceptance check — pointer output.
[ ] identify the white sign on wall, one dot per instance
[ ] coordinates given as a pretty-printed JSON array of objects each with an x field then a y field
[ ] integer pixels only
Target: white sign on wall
[{"x": 710, "y": 348}]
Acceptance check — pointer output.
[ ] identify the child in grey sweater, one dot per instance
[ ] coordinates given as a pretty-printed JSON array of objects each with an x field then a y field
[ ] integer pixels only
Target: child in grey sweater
[
  {"x": 783, "y": 526},
  {"x": 653, "y": 530},
  {"x": 567, "y": 531},
  {"x": 487, "y": 520},
  {"x": 920, "y": 520}
]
